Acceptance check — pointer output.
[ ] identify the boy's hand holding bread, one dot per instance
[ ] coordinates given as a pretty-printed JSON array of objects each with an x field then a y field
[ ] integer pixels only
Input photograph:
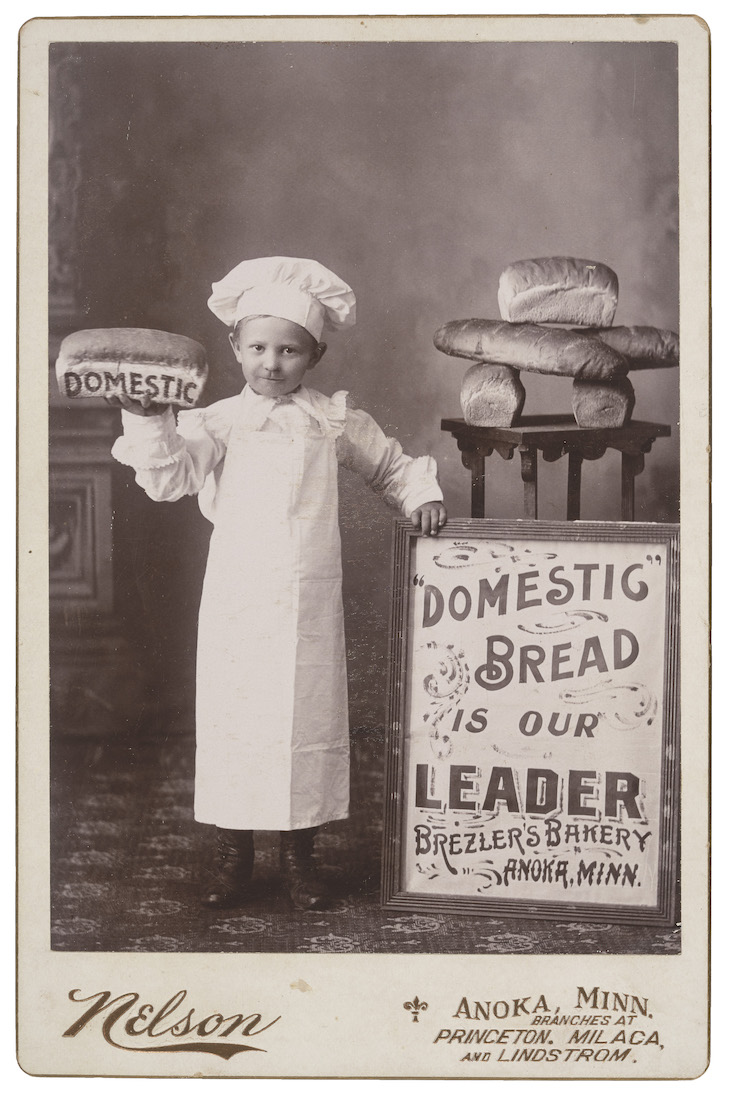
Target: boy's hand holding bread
[{"x": 142, "y": 406}]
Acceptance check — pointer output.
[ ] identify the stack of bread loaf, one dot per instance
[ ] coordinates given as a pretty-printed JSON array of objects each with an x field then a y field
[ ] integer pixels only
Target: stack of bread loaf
[
  {"x": 533, "y": 295},
  {"x": 133, "y": 362}
]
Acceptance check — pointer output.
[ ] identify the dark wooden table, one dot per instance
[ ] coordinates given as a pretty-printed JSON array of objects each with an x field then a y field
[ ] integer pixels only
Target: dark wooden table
[{"x": 553, "y": 436}]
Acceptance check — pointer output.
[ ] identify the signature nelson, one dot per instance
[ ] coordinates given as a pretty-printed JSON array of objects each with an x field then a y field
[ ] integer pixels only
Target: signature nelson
[{"x": 130, "y": 1027}]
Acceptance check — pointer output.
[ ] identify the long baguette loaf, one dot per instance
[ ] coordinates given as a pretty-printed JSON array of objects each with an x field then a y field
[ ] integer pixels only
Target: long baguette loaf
[
  {"x": 643, "y": 347},
  {"x": 531, "y": 347},
  {"x": 558, "y": 290},
  {"x": 135, "y": 362}
]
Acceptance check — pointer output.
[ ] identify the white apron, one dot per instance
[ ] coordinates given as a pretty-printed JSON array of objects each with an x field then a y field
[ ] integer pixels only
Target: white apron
[{"x": 272, "y": 748}]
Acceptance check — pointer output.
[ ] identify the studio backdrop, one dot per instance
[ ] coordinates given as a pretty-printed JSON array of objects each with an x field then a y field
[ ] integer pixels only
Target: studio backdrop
[{"x": 418, "y": 172}]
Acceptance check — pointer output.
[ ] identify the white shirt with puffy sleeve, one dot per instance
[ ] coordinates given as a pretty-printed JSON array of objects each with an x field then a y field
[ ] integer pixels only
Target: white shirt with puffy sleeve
[{"x": 171, "y": 461}]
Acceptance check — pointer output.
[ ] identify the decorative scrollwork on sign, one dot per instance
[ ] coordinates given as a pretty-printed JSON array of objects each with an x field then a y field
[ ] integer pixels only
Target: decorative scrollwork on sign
[
  {"x": 445, "y": 685},
  {"x": 632, "y": 705},
  {"x": 484, "y": 868},
  {"x": 465, "y": 554},
  {"x": 563, "y": 621}
]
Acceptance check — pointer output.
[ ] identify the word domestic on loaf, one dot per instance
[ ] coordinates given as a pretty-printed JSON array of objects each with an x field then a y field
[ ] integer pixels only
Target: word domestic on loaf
[{"x": 133, "y": 362}]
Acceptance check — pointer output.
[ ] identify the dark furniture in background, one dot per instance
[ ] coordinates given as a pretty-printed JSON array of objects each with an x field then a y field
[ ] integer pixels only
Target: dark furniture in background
[{"x": 553, "y": 436}]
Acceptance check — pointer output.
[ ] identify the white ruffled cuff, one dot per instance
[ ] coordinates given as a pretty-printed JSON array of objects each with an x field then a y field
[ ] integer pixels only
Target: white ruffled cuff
[
  {"x": 337, "y": 412},
  {"x": 329, "y": 411},
  {"x": 149, "y": 441},
  {"x": 421, "y": 485},
  {"x": 212, "y": 422}
]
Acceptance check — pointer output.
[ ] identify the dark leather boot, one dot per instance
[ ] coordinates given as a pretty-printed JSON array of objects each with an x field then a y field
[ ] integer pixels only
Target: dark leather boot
[
  {"x": 306, "y": 891},
  {"x": 232, "y": 869}
]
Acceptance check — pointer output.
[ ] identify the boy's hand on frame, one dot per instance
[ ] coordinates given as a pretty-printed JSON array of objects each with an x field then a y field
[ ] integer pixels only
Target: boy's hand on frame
[{"x": 429, "y": 518}]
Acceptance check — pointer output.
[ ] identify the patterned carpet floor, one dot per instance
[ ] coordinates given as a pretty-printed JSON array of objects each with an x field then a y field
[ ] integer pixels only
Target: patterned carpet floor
[{"x": 128, "y": 862}]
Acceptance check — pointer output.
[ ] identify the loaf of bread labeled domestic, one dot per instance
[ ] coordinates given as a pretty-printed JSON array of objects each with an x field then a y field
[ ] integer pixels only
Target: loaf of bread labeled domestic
[
  {"x": 133, "y": 362},
  {"x": 643, "y": 347},
  {"x": 603, "y": 403},
  {"x": 558, "y": 290},
  {"x": 492, "y": 396},
  {"x": 531, "y": 347}
]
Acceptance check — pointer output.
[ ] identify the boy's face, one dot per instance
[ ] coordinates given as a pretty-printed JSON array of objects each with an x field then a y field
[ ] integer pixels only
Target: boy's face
[{"x": 274, "y": 353}]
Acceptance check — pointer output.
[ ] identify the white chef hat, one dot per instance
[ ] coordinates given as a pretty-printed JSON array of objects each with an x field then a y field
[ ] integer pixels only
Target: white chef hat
[{"x": 300, "y": 290}]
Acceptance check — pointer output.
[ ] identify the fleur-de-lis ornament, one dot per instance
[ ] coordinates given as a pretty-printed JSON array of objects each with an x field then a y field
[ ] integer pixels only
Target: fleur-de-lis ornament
[{"x": 416, "y": 1006}]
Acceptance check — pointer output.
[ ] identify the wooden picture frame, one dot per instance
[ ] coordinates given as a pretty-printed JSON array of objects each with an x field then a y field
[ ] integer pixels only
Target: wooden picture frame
[{"x": 532, "y": 736}]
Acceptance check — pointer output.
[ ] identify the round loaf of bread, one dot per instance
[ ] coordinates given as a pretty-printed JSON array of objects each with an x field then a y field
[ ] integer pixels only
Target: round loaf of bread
[
  {"x": 643, "y": 347},
  {"x": 531, "y": 347},
  {"x": 560, "y": 290},
  {"x": 133, "y": 362},
  {"x": 492, "y": 396}
]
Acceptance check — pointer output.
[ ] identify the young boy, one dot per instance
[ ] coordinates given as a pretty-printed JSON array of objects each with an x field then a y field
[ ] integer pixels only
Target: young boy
[{"x": 272, "y": 740}]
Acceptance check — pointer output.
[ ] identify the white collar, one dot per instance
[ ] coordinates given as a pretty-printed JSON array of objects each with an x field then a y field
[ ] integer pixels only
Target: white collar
[{"x": 257, "y": 408}]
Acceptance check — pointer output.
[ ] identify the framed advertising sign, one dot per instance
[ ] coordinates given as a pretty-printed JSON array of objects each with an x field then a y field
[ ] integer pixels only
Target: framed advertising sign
[{"x": 532, "y": 763}]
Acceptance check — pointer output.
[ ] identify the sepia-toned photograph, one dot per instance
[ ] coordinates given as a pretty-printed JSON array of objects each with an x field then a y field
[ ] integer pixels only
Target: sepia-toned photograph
[{"x": 369, "y": 482}]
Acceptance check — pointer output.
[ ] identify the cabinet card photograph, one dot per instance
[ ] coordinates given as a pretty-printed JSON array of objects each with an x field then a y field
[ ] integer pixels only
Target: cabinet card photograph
[{"x": 364, "y": 522}]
